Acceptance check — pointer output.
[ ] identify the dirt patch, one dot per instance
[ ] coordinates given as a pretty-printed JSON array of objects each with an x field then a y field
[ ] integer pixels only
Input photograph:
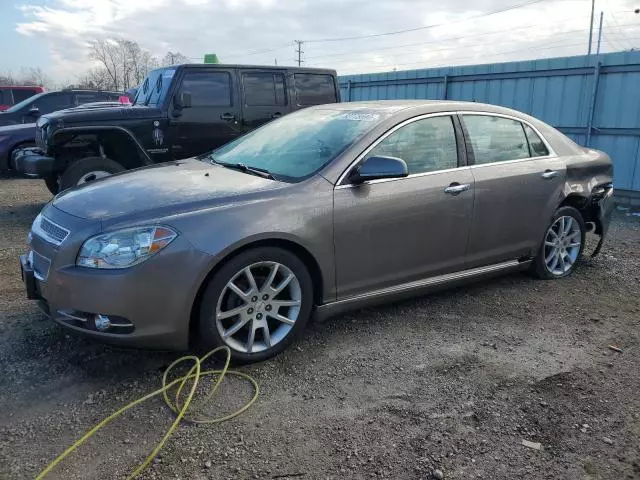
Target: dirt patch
[{"x": 454, "y": 381}]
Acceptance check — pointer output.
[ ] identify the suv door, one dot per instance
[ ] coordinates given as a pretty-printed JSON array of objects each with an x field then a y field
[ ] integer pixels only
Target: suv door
[
  {"x": 213, "y": 118},
  {"x": 389, "y": 232},
  {"x": 519, "y": 182},
  {"x": 264, "y": 97}
]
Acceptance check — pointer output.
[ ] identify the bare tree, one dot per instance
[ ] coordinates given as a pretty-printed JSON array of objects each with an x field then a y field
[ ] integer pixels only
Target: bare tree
[
  {"x": 96, "y": 78},
  {"x": 108, "y": 54},
  {"x": 35, "y": 76},
  {"x": 176, "y": 58}
]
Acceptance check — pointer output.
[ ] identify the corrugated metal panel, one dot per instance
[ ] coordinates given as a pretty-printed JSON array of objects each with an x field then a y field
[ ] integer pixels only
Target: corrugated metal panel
[{"x": 559, "y": 91}]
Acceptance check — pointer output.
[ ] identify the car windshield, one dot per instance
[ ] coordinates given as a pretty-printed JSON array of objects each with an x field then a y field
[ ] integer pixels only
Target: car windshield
[
  {"x": 153, "y": 90},
  {"x": 299, "y": 144},
  {"x": 29, "y": 101}
]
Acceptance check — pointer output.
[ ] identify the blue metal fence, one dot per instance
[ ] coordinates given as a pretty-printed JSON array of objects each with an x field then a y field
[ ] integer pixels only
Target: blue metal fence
[{"x": 594, "y": 100}]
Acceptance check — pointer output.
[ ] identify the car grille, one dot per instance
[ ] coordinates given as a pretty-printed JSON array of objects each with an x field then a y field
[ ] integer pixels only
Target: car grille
[{"x": 52, "y": 232}]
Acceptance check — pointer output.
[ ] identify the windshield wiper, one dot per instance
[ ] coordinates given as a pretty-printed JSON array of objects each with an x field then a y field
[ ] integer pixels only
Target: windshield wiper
[{"x": 261, "y": 172}]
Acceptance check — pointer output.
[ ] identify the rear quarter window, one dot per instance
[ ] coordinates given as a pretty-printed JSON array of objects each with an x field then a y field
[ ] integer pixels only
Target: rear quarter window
[{"x": 314, "y": 89}]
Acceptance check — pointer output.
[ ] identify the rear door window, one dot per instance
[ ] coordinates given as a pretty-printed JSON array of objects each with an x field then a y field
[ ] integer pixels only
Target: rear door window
[
  {"x": 20, "y": 94},
  {"x": 263, "y": 89},
  {"x": 208, "y": 89},
  {"x": 536, "y": 145},
  {"x": 314, "y": 89},
  {"x": 496, "y": 139}
]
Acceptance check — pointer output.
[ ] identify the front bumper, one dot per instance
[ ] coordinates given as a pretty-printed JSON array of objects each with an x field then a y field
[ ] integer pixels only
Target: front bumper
[
  {"x": 32, "y": 162},
  {"x": 149, "y": 304},
  {"x": 603, "y": 203}
]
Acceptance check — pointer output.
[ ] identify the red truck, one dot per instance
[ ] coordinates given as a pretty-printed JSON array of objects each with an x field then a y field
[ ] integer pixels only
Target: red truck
[{"x": 10, "y": 95}]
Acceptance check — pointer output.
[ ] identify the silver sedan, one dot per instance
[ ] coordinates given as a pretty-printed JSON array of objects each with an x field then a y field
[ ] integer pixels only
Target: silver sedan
[{"x": 327, "y": 209}]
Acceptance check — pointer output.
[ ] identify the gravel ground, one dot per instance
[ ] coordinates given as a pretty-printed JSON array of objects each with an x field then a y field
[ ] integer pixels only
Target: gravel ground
[{"x": 453, "y": 382}]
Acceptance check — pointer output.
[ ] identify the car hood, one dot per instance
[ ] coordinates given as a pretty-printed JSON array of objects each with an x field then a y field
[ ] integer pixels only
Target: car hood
[
  {"x": 10, "y": 129},
  {"x": 101, "y": 113},
  {"x": 162, "y": 190}
]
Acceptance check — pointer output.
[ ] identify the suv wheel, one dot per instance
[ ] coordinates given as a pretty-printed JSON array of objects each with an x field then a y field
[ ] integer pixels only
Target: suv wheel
[
  {"x": 256, "y": 304},
  {"x": 87, "y": 170},
  {"x": 562, "y": 245}
]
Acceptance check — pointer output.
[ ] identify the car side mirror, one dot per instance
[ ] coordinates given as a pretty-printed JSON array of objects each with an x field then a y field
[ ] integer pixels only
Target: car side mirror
[
  {"x": 34, "y": 111},
  {"x": 379, "y": 167},
  {"x": 183, "y": 100}
]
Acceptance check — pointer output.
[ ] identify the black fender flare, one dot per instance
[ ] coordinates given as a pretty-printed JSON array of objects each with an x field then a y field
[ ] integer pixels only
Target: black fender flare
[{"x": 106, "y": 128}]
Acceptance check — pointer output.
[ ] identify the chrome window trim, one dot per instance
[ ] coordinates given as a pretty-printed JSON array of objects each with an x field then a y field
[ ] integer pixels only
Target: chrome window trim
[
  {"x": 552, "y": 152},
  {"x": 415, "y": 175},
  {"x": 382, "y": 138},
  {"x": 37, "y": 229}
]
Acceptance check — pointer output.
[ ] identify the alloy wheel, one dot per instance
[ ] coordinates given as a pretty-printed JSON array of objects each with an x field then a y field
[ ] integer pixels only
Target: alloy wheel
[
  {"x": 258, "y": 307},
  {"x": 562, "y": 245}
]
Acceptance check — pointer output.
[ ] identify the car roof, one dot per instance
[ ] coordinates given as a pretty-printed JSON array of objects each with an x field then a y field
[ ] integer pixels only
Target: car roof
[
  {"x": 256, "y": 67},
  {"x": 425, "y": 106}
]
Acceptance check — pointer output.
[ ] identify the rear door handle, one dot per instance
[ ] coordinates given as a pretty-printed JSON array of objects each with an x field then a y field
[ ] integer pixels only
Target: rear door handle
[
  {"x": 227, "y": 116},
  {"x": 548, "y": 174},
  {"x": 457, "y": 188}
]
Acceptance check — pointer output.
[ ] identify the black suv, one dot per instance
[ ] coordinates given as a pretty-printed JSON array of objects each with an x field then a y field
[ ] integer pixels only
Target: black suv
[
  {"x": 30, "y": 109},
  {"x": 178, "y": 112}
]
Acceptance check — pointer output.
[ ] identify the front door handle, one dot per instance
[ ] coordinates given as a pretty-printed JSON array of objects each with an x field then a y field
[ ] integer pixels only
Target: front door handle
[
  {"x": 456, "y": 188},
  {"x": 227, "y": 116},
  {"x": 276, "y": 115},
  {"x": 548, "y": 174}
]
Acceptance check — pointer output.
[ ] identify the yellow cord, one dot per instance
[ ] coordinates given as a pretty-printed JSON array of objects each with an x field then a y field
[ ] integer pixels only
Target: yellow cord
[{"x": 195, "y": 374}]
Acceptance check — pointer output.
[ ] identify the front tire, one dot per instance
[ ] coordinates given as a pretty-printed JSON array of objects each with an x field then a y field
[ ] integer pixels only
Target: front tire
[
  {"x": 87, "y": 170},
  {"x": 562, "y": 245},
  {"x": 256, "y": 304}
]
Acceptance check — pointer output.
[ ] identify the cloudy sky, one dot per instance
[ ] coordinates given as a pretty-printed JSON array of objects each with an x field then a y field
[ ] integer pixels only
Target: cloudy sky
[{"x": 52, "y": 34}]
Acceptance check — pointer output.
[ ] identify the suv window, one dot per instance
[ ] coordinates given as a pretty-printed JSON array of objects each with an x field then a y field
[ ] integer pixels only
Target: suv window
[
  {"x": 314, "y": 89},
  {"x": 20, "y": 94},
  {"x": 208, "y": 89},
  {"x": 426, "y": 145},
  {"x": 88, "y": 97},
  {"x": 53, "y": 102},
  {"x": 263, "y": 89},
  {"x": 5, "y": 97},
  {"x": 496, "y": 139},
  {"x": 536, "y": 145}
]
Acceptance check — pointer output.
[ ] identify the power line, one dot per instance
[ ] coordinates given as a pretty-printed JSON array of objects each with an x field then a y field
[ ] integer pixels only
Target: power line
[
  {"x": 417, "y": 44},
  {"x": 482, "y": 55},
  {"x": 495, "y": 12}
]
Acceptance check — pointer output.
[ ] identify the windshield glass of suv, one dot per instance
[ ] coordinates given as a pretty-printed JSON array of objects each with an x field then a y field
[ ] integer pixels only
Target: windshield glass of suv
[
  {"x": 29, "y": 101},
  {"x": 299, "y": 144},
  {"x": 153, "y": 90}
]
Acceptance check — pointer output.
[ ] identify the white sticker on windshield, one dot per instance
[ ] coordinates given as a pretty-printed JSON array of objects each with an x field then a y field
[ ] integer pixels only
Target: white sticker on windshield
[{"x": 361, "y": 117}]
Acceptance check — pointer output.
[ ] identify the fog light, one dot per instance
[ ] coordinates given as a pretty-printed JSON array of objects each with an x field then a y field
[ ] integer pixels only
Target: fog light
[{"x": 102, "y": 322}]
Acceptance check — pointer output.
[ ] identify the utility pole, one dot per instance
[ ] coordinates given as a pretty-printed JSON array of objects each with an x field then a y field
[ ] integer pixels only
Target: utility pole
[
  {"x": 600, "y": 33},
  {"x": 299, "y": 51},
  {"x": 593, "y": 8}
]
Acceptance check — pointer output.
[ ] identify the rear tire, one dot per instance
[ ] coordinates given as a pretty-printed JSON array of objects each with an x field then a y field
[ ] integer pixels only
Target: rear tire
[
  {"x": 53, "y": 184},
  {"x": 88, "y": 169},
  {"x": 260, "y": 309},
  {"x": 561, "y": 246}
]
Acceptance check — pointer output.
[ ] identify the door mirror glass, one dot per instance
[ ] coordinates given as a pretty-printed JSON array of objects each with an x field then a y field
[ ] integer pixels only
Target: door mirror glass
[
  {"x": 34, "y": 111},
  {"x": 378, "y": 167},
  {"x": 183, "y": 100}
]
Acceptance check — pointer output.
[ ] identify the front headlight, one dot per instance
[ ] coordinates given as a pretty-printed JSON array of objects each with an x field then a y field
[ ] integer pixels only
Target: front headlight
[{"x": 124, "y": 248}]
